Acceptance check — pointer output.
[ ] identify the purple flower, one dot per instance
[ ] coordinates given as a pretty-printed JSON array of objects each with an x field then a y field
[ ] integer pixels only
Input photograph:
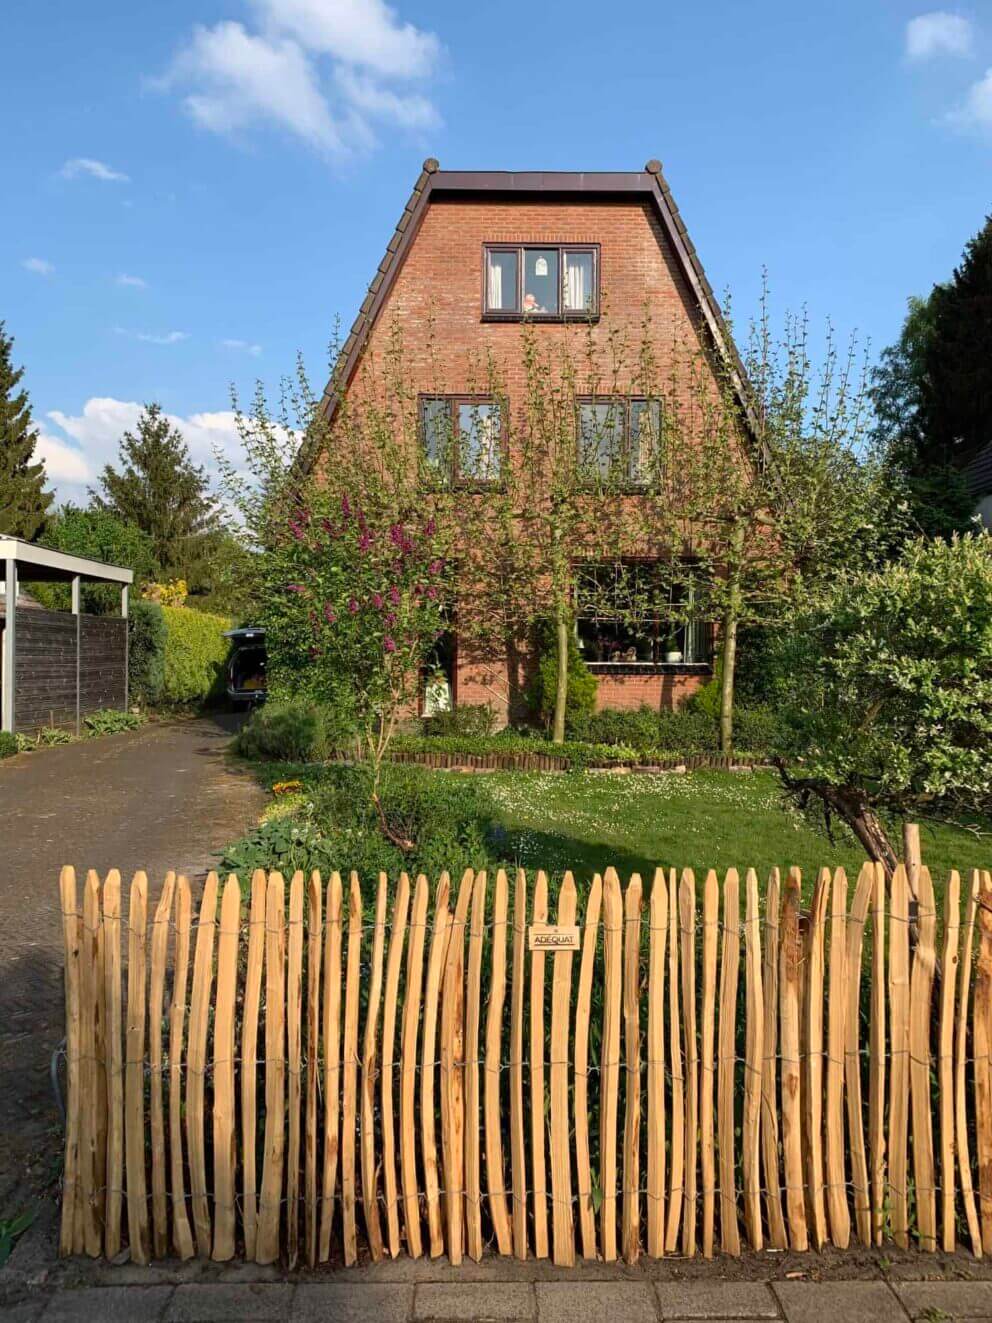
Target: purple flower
[
  {"x": 432, "y": 593},
  {"x": 389, "y": 618},
  {"x": 364, "y": 542},
  {"x": 329, "y": 613},
  {"x": 297, "y": 530},
  {"x": 295, "y": 588},
  {"x": 430, "y": 528},
  {"x": 377, "y": 601},
  {"x": 394, "y": 595},
  {"x": 389, "y": 644},
  {"x": 396, "y": 535},
  {"x": 435, "y": 567},
  {"x": 345, "y": 506},
  {"x": 353, "y": 606}
]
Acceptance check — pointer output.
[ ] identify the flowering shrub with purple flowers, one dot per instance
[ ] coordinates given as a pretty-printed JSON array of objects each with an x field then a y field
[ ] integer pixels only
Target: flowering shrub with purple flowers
[{"x": 356, "y": 586}]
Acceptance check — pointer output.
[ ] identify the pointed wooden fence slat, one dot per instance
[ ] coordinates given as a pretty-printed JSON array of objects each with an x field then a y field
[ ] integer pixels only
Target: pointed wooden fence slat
[{"x": 865, "y": 1081}]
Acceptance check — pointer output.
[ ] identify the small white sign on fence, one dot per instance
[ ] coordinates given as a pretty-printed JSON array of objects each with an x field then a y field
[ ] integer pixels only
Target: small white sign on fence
[{"x": 553, "y": 937}]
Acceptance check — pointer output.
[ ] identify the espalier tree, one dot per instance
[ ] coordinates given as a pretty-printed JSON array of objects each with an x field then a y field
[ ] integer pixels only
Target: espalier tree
[
  {"x": 24, "y": 502},
  {"x": 762, "y": 506}
]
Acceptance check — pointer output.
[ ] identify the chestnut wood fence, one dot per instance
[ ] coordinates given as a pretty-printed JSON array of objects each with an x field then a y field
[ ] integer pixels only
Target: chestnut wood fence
[{"x": 701, "y": 1066}]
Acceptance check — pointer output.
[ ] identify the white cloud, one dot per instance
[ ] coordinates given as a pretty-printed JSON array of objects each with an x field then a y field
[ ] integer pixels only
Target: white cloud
[
  {"x": 153, "y": 338},
  {"x": 92, "y": 439},
  {"x": 131, "y": 282},
  {"x": 938, "y": 33},
  {"x": 362, "y": 32},
  {"x": 39, "y": 266},
  {"x": 975, "y": 112},
  {"x": 64, "y": 464},
  {"x": 378, "y": 102},
  {"x": 242, "y": 79},
  {"x": 86, "y": 165},
  {"x": 324, "y": 70},
  {"x": 242, "y": 346}
]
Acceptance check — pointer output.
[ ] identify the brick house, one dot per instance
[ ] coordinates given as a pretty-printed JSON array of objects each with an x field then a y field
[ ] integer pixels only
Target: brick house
[{"x": 475, "y": 255}]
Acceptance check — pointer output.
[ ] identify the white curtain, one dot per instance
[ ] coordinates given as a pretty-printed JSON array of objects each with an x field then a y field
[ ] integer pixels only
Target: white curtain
[
  {"x": 495, "y": 295},
  {"x": 575, "y": 286}
]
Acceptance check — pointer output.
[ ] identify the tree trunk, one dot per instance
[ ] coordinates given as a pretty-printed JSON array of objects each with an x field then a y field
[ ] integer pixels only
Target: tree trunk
[
  {"x": 729, "y": 651},
  {"x": 728, "y": 667},
  {"x": 561, "y": 691},
  {"x": 852, "y": 807}
]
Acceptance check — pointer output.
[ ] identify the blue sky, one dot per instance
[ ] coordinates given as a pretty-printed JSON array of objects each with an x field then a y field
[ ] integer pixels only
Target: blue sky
[{"x": 193, "y": 191}]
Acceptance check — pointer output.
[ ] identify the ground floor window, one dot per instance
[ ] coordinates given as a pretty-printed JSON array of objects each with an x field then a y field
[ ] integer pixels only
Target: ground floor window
[
  {"x": 437, "y": 691},
  {"x": 632, "y": 614}
]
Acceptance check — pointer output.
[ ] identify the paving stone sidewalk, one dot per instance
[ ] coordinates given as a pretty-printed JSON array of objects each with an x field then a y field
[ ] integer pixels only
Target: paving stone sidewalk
[{"x": 352, "y": 1298}]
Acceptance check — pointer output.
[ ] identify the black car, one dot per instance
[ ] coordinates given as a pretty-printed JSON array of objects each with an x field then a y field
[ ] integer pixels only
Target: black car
[{"x": 246, "y": 665}]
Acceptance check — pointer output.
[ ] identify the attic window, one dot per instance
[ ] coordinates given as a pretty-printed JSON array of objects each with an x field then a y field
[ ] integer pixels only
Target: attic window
[{"x": 543, "y": 282}]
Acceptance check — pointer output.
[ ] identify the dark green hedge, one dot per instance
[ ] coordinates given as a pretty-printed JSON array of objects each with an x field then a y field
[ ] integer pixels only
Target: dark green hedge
[{"x": 146, "y": 653}]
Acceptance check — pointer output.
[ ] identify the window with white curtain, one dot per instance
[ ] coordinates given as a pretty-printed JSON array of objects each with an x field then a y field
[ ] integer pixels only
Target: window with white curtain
[
  {"x": 543, "y": 282},
  {"x": 463, "y": 438}
]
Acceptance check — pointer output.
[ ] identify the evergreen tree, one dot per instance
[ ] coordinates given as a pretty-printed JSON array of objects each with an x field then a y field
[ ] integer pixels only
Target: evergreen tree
[
  {"x": 23, "y": 500},
  {"x": 932, "y": 391},
  {"x": 161, "y": 491}
]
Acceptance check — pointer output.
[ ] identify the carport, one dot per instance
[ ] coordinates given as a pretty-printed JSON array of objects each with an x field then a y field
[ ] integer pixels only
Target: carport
[{"x": 56, "y": 666}]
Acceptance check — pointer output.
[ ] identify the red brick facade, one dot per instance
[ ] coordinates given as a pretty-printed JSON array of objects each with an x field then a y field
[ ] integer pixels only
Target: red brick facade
[{"x": 434, "y": 292}]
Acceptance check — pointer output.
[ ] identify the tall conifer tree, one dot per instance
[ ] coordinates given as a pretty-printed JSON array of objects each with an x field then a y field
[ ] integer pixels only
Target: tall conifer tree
[
  {"x": 24, "y": 501},
  {"x": 159, "y": 489}
]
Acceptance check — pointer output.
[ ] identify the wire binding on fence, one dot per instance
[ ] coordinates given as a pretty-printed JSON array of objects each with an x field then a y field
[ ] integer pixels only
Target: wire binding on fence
[{"x": 776, "y": 1076}]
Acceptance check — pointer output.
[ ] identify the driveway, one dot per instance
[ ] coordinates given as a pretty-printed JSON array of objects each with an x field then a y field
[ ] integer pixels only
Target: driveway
[{"x": 158, "y": 798}]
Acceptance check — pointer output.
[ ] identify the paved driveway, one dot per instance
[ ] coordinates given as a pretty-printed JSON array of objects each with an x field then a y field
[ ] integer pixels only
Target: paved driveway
[{"x": 158, "y": 798}]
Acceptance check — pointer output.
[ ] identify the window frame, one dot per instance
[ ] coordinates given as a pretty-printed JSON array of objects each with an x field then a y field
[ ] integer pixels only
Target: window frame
[
  {"x": 642, "y": 666},
  {"x": 630, "y": 482},
  {"x": 451, "y": 475},
  {"x": 517, "y": 313}
]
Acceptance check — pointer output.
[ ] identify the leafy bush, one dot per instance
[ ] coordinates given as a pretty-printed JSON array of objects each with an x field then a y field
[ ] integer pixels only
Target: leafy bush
[
  {"x": 8, "y": 744},
  {"x": 649, "y": 730},
  {"x": 195, "y": 653},
  {"x": 709, "y": 696},
  {"x": 146, "y": 634},
  {"x": 759, "y": 729},
  {"x": 336, "y": 827},
  {"x": 99, "y": 535},
  {"x": 543, "y": 689},
  {"x": 688, "y": 730},
  {"x": 109, "y": 720},
  {"x": 468, "y": 719},
  {"x": 48, "y": 735},
  {"x": 283, "y": 732}
]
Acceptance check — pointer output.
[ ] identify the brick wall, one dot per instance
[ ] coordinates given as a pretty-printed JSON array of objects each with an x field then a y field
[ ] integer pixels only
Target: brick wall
[
  {"x": 441, "y": 279},
  {"x": 437, "y": 300}
]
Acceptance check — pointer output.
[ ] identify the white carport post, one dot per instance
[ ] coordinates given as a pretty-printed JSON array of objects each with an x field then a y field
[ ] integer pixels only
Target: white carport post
[
  {"x": 9, "y": 638},
  {"x": 127, "y": 666},
  {"x": 75, "y": 612}
]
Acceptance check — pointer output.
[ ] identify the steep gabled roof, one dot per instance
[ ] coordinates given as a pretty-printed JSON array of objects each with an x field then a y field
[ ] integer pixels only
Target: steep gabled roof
[{"x": 434, "y": 182}]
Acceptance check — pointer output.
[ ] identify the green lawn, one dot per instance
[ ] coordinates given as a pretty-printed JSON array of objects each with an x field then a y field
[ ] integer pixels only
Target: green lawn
[{"x": 702, "y": 820}]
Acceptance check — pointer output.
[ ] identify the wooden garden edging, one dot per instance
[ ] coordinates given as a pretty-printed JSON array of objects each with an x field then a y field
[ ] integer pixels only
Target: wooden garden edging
[
  {"x": 553, "y": 762},
  {"x": 337, "y": 1068}
]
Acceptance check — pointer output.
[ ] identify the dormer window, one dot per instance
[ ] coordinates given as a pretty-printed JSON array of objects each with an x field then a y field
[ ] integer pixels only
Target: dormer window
[{"x": 550, "y": 282}]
